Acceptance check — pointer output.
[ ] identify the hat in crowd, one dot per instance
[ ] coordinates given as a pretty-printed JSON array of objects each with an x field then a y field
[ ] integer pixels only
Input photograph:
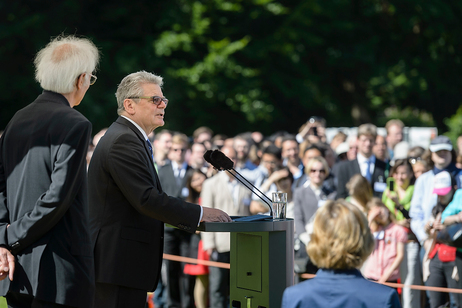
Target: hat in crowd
[
  {"x": 342, "y": 148},
  {"x": 442, "y": 183},
  {"x": 441, "y": 143}
]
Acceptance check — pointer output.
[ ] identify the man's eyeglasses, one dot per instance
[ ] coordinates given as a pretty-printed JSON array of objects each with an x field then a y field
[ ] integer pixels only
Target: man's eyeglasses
[
  {"x": 92, "y": 79},
  {"x": 156, "y": 100}
]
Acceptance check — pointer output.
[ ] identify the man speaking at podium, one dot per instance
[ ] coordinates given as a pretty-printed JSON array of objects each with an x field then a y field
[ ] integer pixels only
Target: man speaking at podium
[{"x": 127, "y": 204}]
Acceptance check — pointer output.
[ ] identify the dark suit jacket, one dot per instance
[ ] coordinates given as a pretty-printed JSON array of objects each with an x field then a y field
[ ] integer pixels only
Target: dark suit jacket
[
  {"x": 128, "y": 208},
  {"x": 344, "y": 170},
  {"x": 43, "y": 196},
  {"x": 339, "y": 289},
  {"x": 168, "y": 180}
]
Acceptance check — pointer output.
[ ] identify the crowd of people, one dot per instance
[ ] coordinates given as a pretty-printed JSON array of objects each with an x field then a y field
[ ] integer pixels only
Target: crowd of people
[
  {"x": 83, "y": 226},
  {"x": 392, "y": 184}
]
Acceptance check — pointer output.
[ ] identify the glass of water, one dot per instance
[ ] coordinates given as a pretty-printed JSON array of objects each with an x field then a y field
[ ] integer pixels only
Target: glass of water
[{"x": 279, "y": 205}]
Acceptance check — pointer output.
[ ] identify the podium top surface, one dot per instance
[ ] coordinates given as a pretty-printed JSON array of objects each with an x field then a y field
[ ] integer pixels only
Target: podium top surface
[{"x": 247, "y": 226}]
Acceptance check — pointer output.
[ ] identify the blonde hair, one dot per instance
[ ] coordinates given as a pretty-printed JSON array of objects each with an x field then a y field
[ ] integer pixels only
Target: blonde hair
[
  {"x": 318, "y": 159},
  {"x": 367, "y": 130},
  {"x": 61, "y": 61},
  {"x": 180, "y": 138},
  {"x": 360, "y": 189},
  {"x": 341, "y": 236}
]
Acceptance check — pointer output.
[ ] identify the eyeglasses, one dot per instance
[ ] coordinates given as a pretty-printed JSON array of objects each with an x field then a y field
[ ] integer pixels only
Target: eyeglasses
[
  {"x": 92, "y": 79},
  {"x": 322, "y": 171},
  {"x": 156, "y": 100}
]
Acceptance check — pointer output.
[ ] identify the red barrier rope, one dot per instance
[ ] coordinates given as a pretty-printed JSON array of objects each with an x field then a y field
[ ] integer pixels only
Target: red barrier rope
[{"x": 307, "y": 276}]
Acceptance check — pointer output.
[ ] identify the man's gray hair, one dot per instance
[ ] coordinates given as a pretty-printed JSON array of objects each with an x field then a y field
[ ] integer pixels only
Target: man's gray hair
[
  {"x": 62, "y": 61},
  {"x": 131, "y": 86}
]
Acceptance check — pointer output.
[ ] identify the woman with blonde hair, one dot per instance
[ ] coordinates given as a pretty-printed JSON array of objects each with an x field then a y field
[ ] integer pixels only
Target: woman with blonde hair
[
  {"x": 360, "y": 192},
  {"x": 340, "y": 243}
]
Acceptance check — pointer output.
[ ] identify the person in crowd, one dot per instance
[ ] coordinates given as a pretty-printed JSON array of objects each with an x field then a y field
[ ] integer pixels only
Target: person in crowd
[
  {"x": 45, "y": 242},
  {"x": 310, "y": 152},
  {"x": 329, "y": 154},
  {"x": 340, "y": 243},
  {"x": 423, "y": 199},
  {"x": 314, "y": 130},
  {"x": 311, "y": 195},
  {"x": 394, "y": 129},
  {"x": 270, "y": 160},
  {"x": 397, "y": 197},
  {"x": 415, "y": 152},
  {"x": 194, "y": 181},
  {"x": 196, "y": 159},
  {"x": 277, "y": 137},
  {"x": 337, "y": 140},
  {"x": 242, "y": 147},
  {"x": 459, "y": 161},
  {"x": 257, "y": 137},
  {"x": 341, "y": 151},
  {"x": 390, "y": 240},
  {"x": 218, "y": 141},
  {"x": 222, "y": 191},
  {"x": 290, "y": 156},
  {"x": 353, "y": 148},
  {"x": 419, "y": 166},
  {"x": 284, "y": 184},
  {"x": 380, "y": 149},
  {"x": 366, "y": 164},
  {"x": 162, "y": 145},
  {"x": 360, "y": 192},
  {"x": 172, "y": 176},
  {"x": 128, "y": 206},
  {"x": 203, "y": 135},
  {"x": 445, "y": 261}
]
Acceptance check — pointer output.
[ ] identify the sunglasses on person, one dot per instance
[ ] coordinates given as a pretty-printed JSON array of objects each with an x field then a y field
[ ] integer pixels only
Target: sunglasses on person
[
  {"x": 322, "y": 171},
  {"x": 156, "y": 100}
]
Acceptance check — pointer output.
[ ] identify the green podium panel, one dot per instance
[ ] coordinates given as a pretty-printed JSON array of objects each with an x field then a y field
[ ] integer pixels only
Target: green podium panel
[{"x": 262, "y": 261}]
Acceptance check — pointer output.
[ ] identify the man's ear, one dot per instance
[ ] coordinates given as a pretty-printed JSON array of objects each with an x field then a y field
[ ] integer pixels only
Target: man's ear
[
  {"x": 129, "y": 106},
  {"x": 80, "y": 81}
]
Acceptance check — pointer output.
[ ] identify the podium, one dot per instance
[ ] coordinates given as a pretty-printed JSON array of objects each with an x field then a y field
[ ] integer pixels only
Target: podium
[{"x": 262, "y": 260}]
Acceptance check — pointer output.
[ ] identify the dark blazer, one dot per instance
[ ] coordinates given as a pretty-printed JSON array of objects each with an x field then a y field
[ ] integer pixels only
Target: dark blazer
[
  {"x": 168, "y": 180},
  {"x": 43, "y": 196},
  {"x": 345, "y": 170},
  {"x": 128, "y": 208},
  {"x": 339, "y": 289}
]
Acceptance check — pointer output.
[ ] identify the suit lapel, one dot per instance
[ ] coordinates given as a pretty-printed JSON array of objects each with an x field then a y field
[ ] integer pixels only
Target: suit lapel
[{"x": 140, "y": 136}]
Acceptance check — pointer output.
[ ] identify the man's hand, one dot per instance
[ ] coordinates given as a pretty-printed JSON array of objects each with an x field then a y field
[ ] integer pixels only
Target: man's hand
[
  {"x": 6, "y": 264},
  {"x": 214, "y": 215}
]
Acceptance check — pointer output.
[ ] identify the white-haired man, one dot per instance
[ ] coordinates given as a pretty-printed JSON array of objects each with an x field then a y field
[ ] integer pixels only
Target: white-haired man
[
  {"x": 127, "y": 203},
  {"x": 43, "y": 185}
]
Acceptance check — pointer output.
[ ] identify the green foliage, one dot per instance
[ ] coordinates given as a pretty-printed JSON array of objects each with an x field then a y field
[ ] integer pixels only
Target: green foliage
[
  {"x": 454, "y": 124},
  {"x": 253, "y": 65}
]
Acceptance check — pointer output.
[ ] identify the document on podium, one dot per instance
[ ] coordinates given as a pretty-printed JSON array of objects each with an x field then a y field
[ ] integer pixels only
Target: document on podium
[{"x": 251, "y": 218}]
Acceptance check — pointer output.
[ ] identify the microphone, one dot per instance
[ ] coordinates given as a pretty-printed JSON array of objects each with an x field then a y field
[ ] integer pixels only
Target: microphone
[{"x": 222, "y": 162}]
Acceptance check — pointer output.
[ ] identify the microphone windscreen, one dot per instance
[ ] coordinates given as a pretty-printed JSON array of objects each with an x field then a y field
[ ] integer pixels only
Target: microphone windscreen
[
  {"x": 208, "y": 158},
  {"x": 222, "y": 160}
]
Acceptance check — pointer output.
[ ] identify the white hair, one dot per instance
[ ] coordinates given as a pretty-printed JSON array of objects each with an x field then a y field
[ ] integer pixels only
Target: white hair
[
  {"x": 62, "y": 61},
  {"x": 130, "y": 86}
]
